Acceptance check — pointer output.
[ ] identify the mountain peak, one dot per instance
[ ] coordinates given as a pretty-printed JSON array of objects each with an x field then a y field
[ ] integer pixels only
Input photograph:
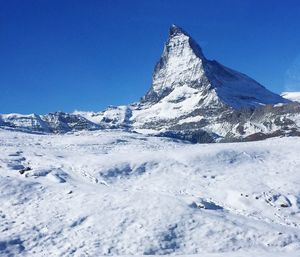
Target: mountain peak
[
  {"x": 183, "y": 63},
  {"x": 175, "y": 30},
  {"x": 179, "y": 38}
]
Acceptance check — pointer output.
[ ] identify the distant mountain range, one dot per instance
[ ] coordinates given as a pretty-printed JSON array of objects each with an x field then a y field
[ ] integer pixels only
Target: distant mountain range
[{"x": 191, "y": 98}]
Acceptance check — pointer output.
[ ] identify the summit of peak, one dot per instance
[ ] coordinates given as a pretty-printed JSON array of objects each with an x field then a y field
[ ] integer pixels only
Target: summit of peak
[
  {"x": 176, "y": 30},
  {"x": 183, "y": 37}
]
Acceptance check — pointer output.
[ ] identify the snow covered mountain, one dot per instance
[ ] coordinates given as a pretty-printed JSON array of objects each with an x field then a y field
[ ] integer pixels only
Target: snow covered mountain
[
  {"x": 190, "y": 98},
  {"x": 183, "y": 69},
  {"x": 201, "y": 100},
  {"x": 57, "y": 122}
]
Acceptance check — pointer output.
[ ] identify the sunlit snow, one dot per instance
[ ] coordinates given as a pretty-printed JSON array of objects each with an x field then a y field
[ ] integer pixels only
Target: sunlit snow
[{"x": 98, "y": 193}]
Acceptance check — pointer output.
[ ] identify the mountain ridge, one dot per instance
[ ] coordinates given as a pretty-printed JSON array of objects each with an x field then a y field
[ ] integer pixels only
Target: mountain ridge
[{"x": 190, "y": 98}]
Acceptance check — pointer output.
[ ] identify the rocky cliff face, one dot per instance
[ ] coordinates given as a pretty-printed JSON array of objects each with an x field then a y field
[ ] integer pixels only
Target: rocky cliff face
[{"x": 191, "y": 98}]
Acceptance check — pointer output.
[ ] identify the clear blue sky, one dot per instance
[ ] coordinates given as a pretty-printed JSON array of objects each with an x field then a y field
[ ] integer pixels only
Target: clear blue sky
[{"x": 86, "y": 55}]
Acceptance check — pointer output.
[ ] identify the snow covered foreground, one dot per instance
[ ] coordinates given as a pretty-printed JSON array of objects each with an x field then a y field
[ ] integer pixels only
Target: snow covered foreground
[{"x": 117, "y": 193}]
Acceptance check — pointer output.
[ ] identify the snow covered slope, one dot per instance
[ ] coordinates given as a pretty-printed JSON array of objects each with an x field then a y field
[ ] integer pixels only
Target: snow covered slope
[
  {"x": 292, "y": 96},
  {"x": 111, "y": 192}
]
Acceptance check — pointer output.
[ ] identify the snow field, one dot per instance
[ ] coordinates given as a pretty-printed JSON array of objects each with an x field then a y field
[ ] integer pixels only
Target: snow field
[{"x": 117, "y": 193}]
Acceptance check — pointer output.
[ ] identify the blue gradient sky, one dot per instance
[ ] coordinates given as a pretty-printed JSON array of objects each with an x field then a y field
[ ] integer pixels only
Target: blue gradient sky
[{"x": 86, "y": 55}]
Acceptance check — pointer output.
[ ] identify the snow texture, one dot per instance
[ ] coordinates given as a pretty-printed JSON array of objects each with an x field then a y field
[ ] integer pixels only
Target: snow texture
[{"x": 93, "y": 193}]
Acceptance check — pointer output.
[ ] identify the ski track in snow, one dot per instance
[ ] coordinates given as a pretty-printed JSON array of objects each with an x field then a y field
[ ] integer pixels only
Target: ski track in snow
[{"x": 118, "y": 193}]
